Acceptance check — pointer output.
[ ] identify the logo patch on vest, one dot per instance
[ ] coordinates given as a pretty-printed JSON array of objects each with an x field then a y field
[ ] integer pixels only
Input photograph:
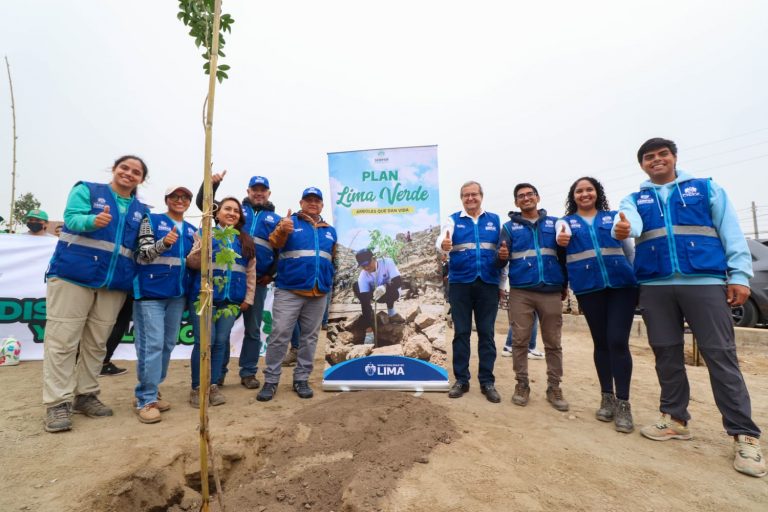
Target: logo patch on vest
[
  {"x": 574, "y": 223},
  {"x": 270, "y": 218},
  {"x": 645, "y": 199},
  {"x": 100, "y": 203},
  {"x": 549, "y": 223},
  {"x": 136, "y": 217},
  {"x": 328, "y": 235},
  {"x": 607, "y": 219},
  {"x": 490, "y": 227},
  {"x": 516, "y": 226},
  {"x": 691, "y": 191}
]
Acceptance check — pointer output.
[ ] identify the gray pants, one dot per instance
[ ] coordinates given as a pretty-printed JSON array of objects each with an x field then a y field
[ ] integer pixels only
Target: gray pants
[
  {"x": 287, "y": 309},
  {"x": 706, "y": 310}
]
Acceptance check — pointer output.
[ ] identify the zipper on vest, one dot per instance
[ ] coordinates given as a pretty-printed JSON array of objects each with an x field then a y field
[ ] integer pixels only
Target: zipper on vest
[
  {"x": 477, "y": 247},
  {"x": 598, "y": 252},
  {"x": 118, "y": 242}
]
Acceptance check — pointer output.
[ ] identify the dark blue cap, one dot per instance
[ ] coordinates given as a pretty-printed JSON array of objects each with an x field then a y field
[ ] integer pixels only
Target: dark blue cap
[
  {"x": 312, "y": 191},
  {"x": 258, "y": 180}
]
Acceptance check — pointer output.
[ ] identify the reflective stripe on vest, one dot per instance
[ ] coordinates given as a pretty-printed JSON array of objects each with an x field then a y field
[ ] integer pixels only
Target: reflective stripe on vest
[
  {"x": 678, "y": 230},
  {"x": 236, "y": 267},
  {"x": 305, "y": 254},
  {"x": 262, "y": 242},
  {"x": 472, "y": 246},
  {"x": 591, "y": 253},
  {"x": 162, "y": 260},
  {"x": 531, "y": 253},
  {"x": 101, "y": 245}
]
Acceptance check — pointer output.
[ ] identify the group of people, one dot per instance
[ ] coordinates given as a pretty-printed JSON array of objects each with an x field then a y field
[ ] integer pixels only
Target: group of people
[
  {"x": 689, "y": 263},
  {"x": 112, "y": 248}
]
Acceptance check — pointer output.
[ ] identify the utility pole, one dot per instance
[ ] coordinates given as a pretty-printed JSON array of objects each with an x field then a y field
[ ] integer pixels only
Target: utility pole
[
  {"x": 754, "y": 220},
  {"x": 11, "y": 220}
]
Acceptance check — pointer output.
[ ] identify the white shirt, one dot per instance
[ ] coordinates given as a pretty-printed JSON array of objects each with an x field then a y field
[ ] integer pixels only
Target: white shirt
[{"x": 385, "y": 271}]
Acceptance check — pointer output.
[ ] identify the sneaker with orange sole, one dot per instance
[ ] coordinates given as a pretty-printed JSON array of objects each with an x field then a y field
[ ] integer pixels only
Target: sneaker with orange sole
[{"x": 665, "y": 429}]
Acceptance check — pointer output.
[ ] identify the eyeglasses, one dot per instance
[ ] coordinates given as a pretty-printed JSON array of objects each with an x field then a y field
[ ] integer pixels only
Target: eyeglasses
[
  {"x": 180, "y": 197},
  {"x": 526, "y": 195},
  {"x": 470, "y": 194}
]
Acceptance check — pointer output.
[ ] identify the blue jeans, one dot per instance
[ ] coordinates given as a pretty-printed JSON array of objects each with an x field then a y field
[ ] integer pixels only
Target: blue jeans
[
  {"x": 220, "y": 331},
  {"x": 252, "y": 318},
  {"x": 481, "y": 300},
  {"x": 534, "y": 332},
  {"x": 156, "y": 325}
]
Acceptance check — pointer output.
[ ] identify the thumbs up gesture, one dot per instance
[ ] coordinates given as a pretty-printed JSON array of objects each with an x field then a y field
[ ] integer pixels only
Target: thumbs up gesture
[
  {"x": 171, "y": 237},
  {"x": 218, "y": 177},
  {"x": 446, "y": 244},
  {"x": 621, "y": 228},
  {"x": 103, "y": 219},
  {"x": 503, "y": 252},
  {"x": 286, "y": 223},
  {"x": 563, "y": 237}
]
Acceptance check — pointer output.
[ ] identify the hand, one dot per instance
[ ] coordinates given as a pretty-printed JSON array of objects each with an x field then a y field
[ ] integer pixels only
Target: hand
[
  {"x": 563, "y": 238},
  {"x": 264, "y": 280},
  {"x": 103, "y": 219},
  {"x": 737, "y": 294},
  {"x": 218, "y": 177},
  {"x": 286, "y": 224},
  {"x": 170, "y": 238},
  {"x": 244, "y": 306},
  {"x": 446, "y": 244},
  {"x": 503, "y": 252},
  {"x": 379, "y": 292},
  {"x": 621, "y": 228}
]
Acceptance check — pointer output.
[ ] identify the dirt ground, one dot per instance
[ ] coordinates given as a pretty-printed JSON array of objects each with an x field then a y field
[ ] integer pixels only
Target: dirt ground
[{"x": 385, "y": 451}]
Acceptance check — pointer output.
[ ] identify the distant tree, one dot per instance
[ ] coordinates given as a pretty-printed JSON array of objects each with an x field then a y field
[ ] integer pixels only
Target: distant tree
[
  {"x": 385, "y": 245},
  {"x": 24, "y": 203}
]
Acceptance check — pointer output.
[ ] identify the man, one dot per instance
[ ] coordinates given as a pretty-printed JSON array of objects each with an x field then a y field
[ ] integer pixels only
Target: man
[
  {"x": 379, "y": 280},
  {"x": 37, "y": 222},
  {"x": 260, "y": 219},
  {"x": 537, "y": 286},
  {"x": 693, "y": 264},
  {"x": 306, "y": 245},
  {"x": 470, "y": 238}
]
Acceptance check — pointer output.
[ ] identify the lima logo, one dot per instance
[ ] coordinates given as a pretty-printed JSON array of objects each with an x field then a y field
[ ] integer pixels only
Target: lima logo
[
  {"x": 370, "y": 369},
  {"x": 381, "y": 157},
  {"x": 381, "y": 370},
  {"x": 137, "y": 216},
  {"x": 691, "y": 191},
  {"x": 607, "y": 219}
]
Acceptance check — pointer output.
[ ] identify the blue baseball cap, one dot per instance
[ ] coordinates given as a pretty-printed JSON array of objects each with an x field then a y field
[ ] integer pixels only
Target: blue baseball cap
[
  {"x": 364, "y": 257},
  {"x": 258, "y": 180},
  {"x": 312, "y": 191}
]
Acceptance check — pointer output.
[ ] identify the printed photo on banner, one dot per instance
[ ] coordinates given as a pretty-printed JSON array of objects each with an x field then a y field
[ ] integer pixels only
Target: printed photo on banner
[{"x": 388, "y": 292}]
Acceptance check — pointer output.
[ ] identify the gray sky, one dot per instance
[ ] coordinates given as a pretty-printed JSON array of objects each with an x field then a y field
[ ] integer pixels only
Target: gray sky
[{"x": 510, "y": 91}]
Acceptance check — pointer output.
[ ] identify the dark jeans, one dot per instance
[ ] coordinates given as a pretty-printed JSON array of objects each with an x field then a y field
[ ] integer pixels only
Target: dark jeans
[
  {"x": 120, "y": 327},
  {"x": 706, "y": 310},
  {"x": 481, "y": 300},
  {"x": 609, "y": 314}
]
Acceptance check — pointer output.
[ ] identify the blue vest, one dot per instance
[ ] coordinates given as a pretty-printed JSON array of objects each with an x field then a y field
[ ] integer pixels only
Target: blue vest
[
  {"x": 260, "y": 224},
  {"x": 306, "y": 260},
  {"x": 167, "y": 275},
  {"x": 473, "y": 254},
  {"x": 595, "y": 259},
  {"x": 233, "y": 281},
  {"x": 533, "y": 255},
  {"x": 102, "y": 258},
  {"x": 678, "y": 237}
]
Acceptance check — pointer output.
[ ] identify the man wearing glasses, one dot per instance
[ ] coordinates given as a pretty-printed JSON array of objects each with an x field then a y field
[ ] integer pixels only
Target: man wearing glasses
[
  {"x": 470, "y": 238},
  {"x": 537, "y": 285}
]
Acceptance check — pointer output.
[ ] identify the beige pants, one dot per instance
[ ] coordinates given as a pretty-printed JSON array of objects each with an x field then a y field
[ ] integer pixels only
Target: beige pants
[
  {"x": 522, "y": 304},
  {"x": 77, "y": 318}
]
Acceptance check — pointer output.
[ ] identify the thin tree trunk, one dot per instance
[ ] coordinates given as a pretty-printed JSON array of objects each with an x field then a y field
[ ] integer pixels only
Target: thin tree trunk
[{"x": 11, "y": 220}]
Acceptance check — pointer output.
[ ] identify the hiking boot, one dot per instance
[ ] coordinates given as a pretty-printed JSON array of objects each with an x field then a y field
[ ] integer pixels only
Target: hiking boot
[
  {"x": 250, "y": 382},
  {"x": 90, "y": 405},
  {"x": 748, "y": 456},
  {"x": 302, "y": 389},
  {"x": 58, "y": 418},
  {"x": 458, "y": 389},
  {"x": 535, "y": 354},
  {"x": 290, "y": 357},
  {"x": 150, "y": 413},
  {"x": 555, "y": 397},
  {"x": 215, "y": 396},
  {"x": 194, "y": 398},
  {"x": 607, "y": 406},
  {"x": 522, "y": 394},
  {"x": 110, "y": 370},
  {"x": 489, "y": 390},
  {"x": 506, "y": 351},
  {"x": 162, "y": 405},
  {"x": 665, "y": 429},
  {"x": 623, "y": 417},
  {"x": 267, "y": 392}
]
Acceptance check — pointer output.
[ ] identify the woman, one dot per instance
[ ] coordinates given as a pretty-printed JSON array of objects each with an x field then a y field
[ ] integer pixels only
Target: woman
[
  {"x": 160, "y": 292},
  {"x": 237, "y": 289},
  {"x": 600, "y": 274},
  {"x": 89, "y": 275}
]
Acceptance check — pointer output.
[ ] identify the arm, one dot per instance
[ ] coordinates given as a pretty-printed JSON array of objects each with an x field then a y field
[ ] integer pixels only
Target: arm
[
  {"x": 628, "y": 246},
  {"x": 148, "y": 248},
  {"x": 77, "y": 213},
  {"x": 279, "y": 236},
  {"x": 727, "y": 224},
  {"x": 629, "y": 209},
  {"x": 447, "y": 227},
  {"x": 505, "y": 246},
  {"x": 193, "y": 258},
  {"x": 250, "y": 284},
  {"x": 215, "y": 182}
]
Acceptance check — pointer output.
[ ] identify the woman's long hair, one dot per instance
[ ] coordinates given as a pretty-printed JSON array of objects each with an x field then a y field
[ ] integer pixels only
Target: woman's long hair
[
  {"x": 601, "y": 202},
  {"x": 246, "y": 242}
]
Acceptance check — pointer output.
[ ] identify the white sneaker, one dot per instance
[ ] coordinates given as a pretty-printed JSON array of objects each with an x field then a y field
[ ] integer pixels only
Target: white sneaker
[
  {"x": 535, "y": 354},
  {"x": 506, "y": 352}
]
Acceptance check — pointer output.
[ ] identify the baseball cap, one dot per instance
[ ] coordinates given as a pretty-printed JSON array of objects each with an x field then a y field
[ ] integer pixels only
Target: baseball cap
[
  {"x": 171, "y": 190},
  {"x": 312, "y": 191},
  {"x": 363, "y": 257},
  {"x": 258, "y": 180},
  {"x": 36, "y": 214}
]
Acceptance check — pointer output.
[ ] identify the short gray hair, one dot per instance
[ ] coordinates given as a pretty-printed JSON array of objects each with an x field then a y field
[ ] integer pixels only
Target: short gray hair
[{"x": 469, "y": 183}]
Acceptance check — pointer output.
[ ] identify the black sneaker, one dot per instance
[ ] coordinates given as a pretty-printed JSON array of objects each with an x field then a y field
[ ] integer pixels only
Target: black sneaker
[
  {"x": 489, "y": 390},
  {"x": 302, "y": 389},
  {"x": 110, "y": 370},
  {"x": 267, "y": 392},
  {"x": 458, "y": 389}
]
